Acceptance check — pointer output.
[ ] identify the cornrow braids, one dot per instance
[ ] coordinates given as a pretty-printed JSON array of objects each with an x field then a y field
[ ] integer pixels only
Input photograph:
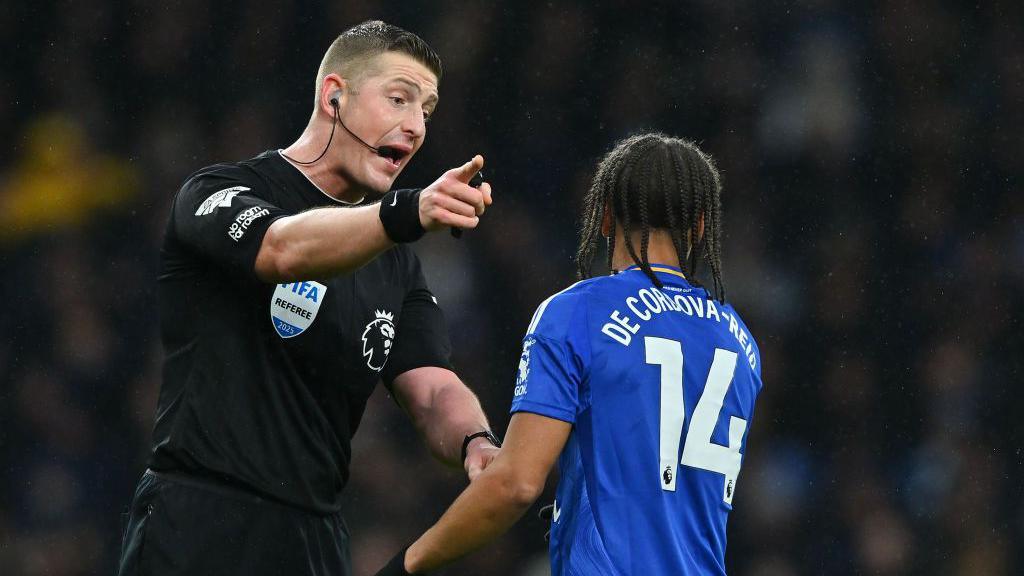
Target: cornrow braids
[
  {"x": 596, "y": 201},
  {"x": 627, "y": 182},
  {"x": 695, "y": 208},
  {"x": 598, "y": 198},
  {"x": 645, "y": 229},
  {"x": 712, "y": 243},
  {"x": 673, "y": 217},
  {"x": 677, "y": 212},
  {"x": 622, "y": 207}
]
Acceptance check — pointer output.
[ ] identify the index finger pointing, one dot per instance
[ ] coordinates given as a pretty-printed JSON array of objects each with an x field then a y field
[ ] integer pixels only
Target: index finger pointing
[{"x": 466, "y": 172}]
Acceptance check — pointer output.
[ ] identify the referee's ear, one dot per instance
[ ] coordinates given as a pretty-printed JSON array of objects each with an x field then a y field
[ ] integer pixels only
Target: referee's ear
[{"x": 332, "y": 86}]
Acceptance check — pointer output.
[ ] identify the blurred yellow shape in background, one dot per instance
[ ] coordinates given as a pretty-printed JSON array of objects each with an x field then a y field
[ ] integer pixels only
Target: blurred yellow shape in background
[{"x": 61, "y": 181}]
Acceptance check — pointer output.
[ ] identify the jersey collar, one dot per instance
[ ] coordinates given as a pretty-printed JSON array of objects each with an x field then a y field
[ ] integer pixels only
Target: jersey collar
[
  {"x": 292, "y": 173},
  {"x": 664, "y": 268}
]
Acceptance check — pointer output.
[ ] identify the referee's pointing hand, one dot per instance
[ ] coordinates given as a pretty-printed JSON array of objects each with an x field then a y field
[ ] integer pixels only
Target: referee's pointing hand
[{"x": 451, "y": 202}]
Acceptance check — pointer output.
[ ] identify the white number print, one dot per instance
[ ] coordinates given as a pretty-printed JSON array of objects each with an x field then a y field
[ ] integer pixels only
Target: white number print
[{"x": 698, "y": 449}]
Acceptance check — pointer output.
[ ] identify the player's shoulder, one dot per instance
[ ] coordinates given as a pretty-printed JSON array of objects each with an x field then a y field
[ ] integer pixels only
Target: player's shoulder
[
  {"x": 556, "y": 314},
  {"x": 738, "y": 329}
]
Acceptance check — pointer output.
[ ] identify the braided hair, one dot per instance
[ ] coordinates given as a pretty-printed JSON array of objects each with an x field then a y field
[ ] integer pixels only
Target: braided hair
[{"x": 662, "y": 182}]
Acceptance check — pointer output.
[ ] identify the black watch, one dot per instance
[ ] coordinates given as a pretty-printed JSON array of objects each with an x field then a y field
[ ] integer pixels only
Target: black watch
[{"x": 481, "y": 434}]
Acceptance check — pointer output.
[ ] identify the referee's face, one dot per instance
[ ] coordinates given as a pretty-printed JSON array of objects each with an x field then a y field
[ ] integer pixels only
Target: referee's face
[{"x": 389, "y": 110}]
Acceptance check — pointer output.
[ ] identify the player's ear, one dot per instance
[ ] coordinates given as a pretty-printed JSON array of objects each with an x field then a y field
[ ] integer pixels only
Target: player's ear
[{"x": 606, "y": 221}]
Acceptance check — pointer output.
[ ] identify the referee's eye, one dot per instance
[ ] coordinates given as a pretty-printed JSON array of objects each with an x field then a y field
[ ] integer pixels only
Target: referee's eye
[{"x": 397, "y": 100}]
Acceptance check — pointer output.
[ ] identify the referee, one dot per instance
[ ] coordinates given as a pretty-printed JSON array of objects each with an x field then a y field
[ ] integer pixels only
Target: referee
[{"x": 286, "y": 293}]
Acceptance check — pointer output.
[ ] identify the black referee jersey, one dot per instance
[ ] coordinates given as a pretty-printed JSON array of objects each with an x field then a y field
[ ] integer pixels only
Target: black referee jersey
[{"x": 265, "y": 384}]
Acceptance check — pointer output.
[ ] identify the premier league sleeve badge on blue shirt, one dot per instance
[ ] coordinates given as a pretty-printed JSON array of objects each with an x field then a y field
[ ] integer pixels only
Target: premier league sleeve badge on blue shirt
[
  {"x": 524, "y": 366},
  {"x": 293, "y": 306}
]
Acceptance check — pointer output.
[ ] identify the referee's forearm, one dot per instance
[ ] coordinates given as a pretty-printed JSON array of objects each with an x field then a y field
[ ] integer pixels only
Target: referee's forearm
[
  {"x": 455, "y": 413},
  {"x": 442, "y": 408},
  {"x": 321, "y": 243}
]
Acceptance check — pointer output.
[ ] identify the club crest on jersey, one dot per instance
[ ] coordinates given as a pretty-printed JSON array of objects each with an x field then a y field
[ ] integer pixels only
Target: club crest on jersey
[
  {"x": 293, "y": 306},
  {"x": 219, "y": 199},
  {"x": 524, "y": 367},
  {"x": 378, "y": 337}
]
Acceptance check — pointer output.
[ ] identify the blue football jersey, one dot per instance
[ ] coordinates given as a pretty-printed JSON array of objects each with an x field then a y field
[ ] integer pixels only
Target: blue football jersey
[{"x": 659, "y": 385}]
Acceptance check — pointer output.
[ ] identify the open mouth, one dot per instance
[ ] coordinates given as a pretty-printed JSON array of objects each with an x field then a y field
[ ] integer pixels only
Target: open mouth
[{"x": 392, "y": 154}]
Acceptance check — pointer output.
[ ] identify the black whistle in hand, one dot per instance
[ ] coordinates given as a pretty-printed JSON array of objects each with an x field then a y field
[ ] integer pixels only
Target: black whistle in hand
[{"x": 475, "y": 182}]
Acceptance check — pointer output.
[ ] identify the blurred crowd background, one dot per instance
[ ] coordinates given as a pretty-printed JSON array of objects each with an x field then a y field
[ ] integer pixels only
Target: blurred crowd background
[{"x": 872, "y": 161}]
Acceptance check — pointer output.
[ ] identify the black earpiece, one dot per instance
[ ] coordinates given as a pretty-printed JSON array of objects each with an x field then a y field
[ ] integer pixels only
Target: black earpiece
[{"x": 337, "y": 118}]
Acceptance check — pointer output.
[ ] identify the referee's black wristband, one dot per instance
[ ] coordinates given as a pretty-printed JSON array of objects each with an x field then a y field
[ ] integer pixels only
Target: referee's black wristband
[
  {"x": 396, "y": 567},
  {"x": 400, "y": 215}
]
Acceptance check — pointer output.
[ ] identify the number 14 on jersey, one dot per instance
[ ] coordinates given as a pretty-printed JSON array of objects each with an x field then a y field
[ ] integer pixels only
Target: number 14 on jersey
[{"x": 698, "y": 449}]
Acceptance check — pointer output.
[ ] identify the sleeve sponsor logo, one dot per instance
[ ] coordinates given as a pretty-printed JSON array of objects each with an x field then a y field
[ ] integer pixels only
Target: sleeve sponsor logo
[
  {"x": 378, "y": 337},
  {"x": 244, "y": 219},
  {"x": 219, "y": 199},
  {"x": 293, "y": 307}
]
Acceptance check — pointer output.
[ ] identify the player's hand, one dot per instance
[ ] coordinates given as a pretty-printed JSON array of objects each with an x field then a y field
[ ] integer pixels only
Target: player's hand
[
  {"x": 546, "y": 513},
  {"x": 479, "y": 455},
  {"x": 450, "y": 202}
]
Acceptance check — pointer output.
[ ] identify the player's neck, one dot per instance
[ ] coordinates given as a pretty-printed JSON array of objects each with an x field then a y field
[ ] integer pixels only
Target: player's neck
[{"x": 660, "y": 250}]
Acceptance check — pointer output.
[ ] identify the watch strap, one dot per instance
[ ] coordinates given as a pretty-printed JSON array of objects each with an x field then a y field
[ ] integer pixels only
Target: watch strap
[{"x": 481, "y": 434}]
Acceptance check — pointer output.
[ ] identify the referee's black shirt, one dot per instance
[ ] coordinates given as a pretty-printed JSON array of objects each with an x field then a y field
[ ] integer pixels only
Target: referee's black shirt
[{"x": 264, "y": 384}]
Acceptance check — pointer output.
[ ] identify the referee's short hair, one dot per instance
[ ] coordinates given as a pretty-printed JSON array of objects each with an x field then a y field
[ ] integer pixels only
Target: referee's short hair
[{"x": 354, "y": 49}]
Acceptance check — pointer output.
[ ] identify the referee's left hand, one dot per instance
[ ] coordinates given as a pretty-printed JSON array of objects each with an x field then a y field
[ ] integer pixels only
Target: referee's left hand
[{"x": 479, "y": 455}]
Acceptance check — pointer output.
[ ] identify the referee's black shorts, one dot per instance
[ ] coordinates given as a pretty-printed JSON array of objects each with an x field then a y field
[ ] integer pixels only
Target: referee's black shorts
[{"x": 181, "y": 525}]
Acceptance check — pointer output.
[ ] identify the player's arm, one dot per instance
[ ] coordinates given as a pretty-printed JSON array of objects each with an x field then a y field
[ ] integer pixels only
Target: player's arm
[
  {"x": 327, "y": 242},
  {"x": 544, "y": 407},
  {"x": 444, "y": 412},
  {"x": 499, "y": 496}
]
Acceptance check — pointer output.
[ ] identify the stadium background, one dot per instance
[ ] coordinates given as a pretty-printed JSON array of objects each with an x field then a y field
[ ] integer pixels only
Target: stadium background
[{"x": 874, "y": 243}]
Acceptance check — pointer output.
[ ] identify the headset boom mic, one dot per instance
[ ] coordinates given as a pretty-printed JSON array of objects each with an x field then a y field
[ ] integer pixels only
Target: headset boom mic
[
  {"x": 353, "y": 134},
  {"x": 334, "y": 124}
]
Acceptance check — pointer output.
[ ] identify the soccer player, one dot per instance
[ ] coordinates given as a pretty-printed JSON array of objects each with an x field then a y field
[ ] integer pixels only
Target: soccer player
[
  {"x": 286, "y": 294},
  {"x": 641, "y": 384}
]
